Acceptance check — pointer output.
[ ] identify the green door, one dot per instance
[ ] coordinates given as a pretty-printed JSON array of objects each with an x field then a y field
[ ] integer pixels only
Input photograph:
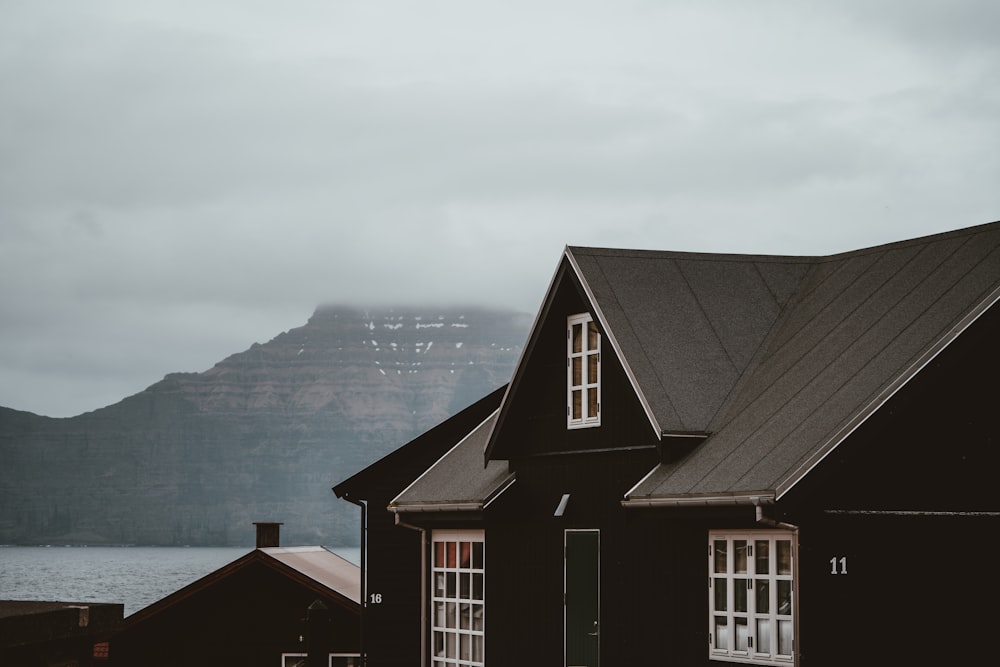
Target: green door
[{"x": 582, "y": 597}]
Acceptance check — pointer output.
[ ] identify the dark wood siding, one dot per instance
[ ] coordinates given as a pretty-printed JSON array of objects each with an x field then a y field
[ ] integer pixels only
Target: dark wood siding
[
  {"x": 524, "y": 544},
  {"x": 908, "y": 500},
  {"x": 536, "y": 419},
  {"x": 391, "y": 626}
]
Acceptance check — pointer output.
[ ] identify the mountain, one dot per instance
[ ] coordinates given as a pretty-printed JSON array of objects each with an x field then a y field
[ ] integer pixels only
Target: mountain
[{"x": 262, "y": 436}]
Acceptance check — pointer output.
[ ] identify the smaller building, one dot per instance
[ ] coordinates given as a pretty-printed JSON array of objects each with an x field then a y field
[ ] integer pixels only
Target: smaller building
[
  {"x": 56, "y": 633},
  {"x": 393, "y": 586},
  {"x": 276, "y": 606}
]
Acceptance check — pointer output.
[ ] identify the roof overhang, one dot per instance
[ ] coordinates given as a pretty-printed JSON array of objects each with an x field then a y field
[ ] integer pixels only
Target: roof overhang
[{"x": 454, "y": 506}]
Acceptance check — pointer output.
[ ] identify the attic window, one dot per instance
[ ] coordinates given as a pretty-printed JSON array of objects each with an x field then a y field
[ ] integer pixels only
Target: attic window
[{"x": 583, "y": 372}]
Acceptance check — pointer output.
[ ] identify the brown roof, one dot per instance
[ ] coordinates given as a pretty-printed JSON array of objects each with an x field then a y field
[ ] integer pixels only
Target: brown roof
[{"x": 323, "y": 566}]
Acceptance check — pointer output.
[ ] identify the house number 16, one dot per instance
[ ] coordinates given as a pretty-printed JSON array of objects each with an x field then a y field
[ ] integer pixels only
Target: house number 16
[{"x": 842, "y": 561}]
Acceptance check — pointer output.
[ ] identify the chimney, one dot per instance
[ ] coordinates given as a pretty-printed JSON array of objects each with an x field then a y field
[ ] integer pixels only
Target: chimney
[{"x": 268, "y": 534}]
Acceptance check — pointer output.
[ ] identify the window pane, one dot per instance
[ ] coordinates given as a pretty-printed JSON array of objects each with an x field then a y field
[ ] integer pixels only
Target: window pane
[
  {"x": 592, "y": 402},
  {"x": 477, "y": 617},
  {"x": 761, "y": 556},
  {"x": 578, "y": 338},
  {"x": 739, "y": 595},
  {"x": 464, "y": 554},
  {"x": 451, "y": 646},
  {"x": 742, "y": 632},
  {"x": 763, "y": 599},
  {"x": 763, "y": 636},
  {"x": 592, "y": 335},
  {"x": 577, "y": 404},
  {"x": 721, "y": 632},
  {"x": 784, "y": 589},
  {"x": 477, "y": 555},
  {"x": 739, "y": 555},
  {"x": 477, "y": 586},
  {"x": 465, "y": 647},
  {"x": 465, "y": 585},
  {"x": 465, "y": 617},
  {"x": 592, "y": 369},
  {"x": 439, "y": 644},
  {"x": 439, "y": 618},
  {"x": 451, "y": 615},
  {"x": 450, "y": 589},
  {"x": 577, "y": 371},
  {"x": 721, "y": 594},
  {"x": 719, "y": 550},
  {"x": 784, "y": 548},
  {"x": 785, "y": 637},
  {"x": 477, "y": 648},
  {"x": 439, "y": 585},
  {"x": 450, "y": 553},
  {"x": 439, "y": 554}
]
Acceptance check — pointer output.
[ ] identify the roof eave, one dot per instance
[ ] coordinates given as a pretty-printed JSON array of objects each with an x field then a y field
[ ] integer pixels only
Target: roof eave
[{"x": 454, "y": 506}]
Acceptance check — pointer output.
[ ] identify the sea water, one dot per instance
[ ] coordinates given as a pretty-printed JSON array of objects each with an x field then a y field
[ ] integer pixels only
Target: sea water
[{"x": 132, "y": 576}]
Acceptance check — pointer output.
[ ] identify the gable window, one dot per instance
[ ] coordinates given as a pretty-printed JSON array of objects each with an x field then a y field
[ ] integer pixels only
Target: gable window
[
  {"x": 583, "y": 372},
  {"x": 751, "y": 597},
  {"x": 458, "y": 602}
]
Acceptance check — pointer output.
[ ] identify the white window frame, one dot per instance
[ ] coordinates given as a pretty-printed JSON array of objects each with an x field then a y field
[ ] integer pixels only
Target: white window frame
[
  {"x": 458, "y": 598},
  {"x": 765, "y": 603},
  {"x": 579, "y": 379}
]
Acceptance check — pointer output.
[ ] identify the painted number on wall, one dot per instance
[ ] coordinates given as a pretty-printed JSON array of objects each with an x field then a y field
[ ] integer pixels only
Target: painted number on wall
[
  {"x": 841, "y": 562},
  {"x": 375, "y": 598}
]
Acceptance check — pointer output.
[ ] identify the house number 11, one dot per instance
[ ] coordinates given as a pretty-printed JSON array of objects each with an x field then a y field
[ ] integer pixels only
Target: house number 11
[{"x": 842, "y": 561}]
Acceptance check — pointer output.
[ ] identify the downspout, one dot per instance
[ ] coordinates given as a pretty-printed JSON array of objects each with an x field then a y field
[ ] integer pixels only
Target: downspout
[
  {"x": 768, "y": 521},
  {"x": 424, "y": 583},
  {"x": 363, "y": 504}
]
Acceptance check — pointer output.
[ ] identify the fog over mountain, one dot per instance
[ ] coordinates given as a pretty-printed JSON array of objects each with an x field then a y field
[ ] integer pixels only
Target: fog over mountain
[{"x": 262, "y": 436}]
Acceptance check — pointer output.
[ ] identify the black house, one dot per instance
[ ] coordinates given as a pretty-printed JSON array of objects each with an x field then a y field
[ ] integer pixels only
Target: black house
[
  {"x": 274, "y": 607},
  {"x": 707, "y": 458}
]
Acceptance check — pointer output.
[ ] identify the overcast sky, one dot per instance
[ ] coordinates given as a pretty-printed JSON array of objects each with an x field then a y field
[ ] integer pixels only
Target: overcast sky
[{"x": 181, "y": 179}]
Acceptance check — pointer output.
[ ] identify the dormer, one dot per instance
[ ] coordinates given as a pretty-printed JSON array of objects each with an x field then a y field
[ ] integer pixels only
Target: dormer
[{"x": 639, "y": 348}]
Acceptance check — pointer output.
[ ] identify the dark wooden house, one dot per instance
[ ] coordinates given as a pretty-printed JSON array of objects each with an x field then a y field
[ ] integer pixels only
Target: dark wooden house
[
  {"x": 275, "y": 607},
  {"x": 391, "y": 571},
  {"x": 707, "y": 458}
]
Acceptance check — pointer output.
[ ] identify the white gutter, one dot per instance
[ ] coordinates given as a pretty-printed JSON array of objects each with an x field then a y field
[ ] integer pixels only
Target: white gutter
[{"x": 755, "y": 498}]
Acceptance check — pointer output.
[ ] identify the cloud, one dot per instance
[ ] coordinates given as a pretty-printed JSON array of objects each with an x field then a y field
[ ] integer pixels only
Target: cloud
[{"x": 181, "y": 179}]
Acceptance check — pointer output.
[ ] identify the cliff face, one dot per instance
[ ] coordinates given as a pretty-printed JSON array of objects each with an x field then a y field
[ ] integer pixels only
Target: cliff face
[{"x": 262, "y": 436}]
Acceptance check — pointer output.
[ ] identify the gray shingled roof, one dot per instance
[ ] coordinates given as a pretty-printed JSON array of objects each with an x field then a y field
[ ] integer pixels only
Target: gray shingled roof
[
  {"x": 458, "y": 481},
  {"x": 686, "y": 325},
  {"x": 856, "y": 327}
]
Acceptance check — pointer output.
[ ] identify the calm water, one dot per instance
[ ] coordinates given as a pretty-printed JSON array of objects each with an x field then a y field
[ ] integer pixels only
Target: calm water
[{"x": 133, "y": 576}]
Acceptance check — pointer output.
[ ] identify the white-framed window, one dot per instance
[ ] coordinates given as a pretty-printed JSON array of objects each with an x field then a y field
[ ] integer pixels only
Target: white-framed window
[
  {"x": 583, "y": 372},
  {"x": 751, "y": 596},
  {"x": 458, "y": 573},
  {"x": 336, "y": 659}
]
